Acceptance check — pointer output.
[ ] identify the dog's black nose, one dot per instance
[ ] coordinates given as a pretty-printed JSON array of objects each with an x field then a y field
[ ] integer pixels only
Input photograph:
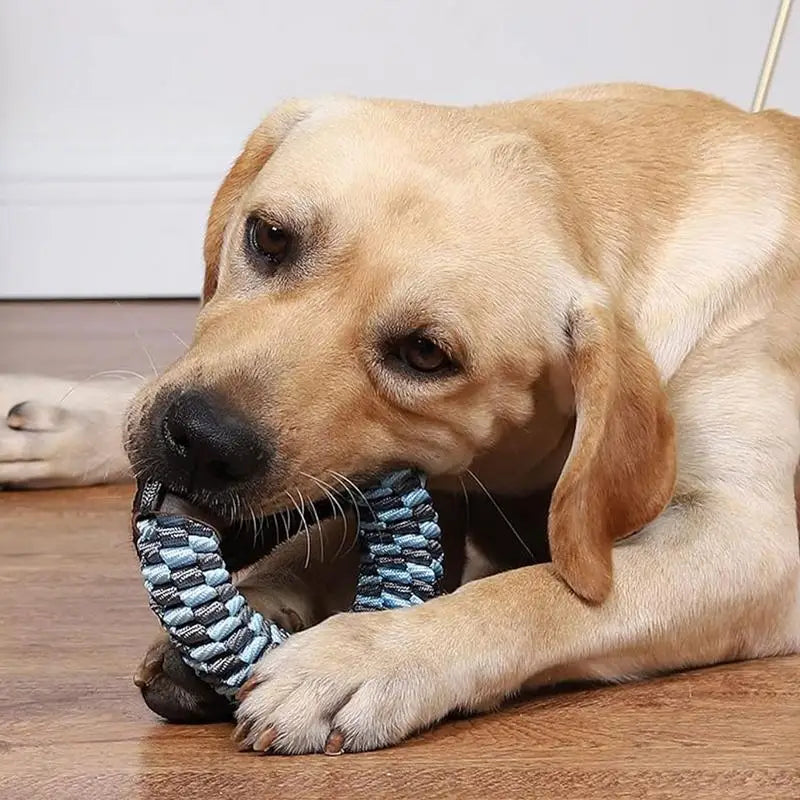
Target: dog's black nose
[{"x": 207, "y": 445}]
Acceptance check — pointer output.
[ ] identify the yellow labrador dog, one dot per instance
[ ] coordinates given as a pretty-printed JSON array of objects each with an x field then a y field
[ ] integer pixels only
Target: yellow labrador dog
[{"x": 588, "y": 304}]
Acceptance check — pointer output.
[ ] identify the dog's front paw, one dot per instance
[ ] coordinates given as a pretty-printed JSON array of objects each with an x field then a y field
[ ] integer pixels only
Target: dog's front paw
[
  {"x": 58, "y": 433},
  {"x": 354, "y": 682}
]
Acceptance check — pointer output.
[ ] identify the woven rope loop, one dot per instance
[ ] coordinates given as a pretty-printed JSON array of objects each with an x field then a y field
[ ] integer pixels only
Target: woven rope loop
[{"x": 210, "y": 623}]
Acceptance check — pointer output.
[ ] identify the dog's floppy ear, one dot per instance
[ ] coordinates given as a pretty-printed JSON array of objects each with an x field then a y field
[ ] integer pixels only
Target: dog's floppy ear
[
  {"x": 257, "y": 151},
  {"x": 620, "y": 471}
]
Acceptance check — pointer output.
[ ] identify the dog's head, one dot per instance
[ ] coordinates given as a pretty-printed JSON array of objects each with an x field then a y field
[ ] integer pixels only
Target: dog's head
[{"x": 395, "y": 284}]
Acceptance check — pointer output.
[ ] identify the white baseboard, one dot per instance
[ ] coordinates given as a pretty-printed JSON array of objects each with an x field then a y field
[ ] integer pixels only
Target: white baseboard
[{"x": 102, "y": 237}]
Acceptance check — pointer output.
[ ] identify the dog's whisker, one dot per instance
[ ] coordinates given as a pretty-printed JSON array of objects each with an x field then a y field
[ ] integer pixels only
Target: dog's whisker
[
  {"x": 345, "y": 522},
  {"x": 232, "y": 506},
  {"x": 137, "y": 334},
  {"x": 140, "y": 465},
  {"x": 306, "y": 529},
  {"x": 146, "y": 351},
  {"x": 240, "y": 509},
  {"x": 339, "y": 478},
  {"x": 349, "y": 482},
  {"x": 466, "y": 502},
  {"x": 256, "y": 525},
  {"x": 346, "y": 488},
  {"x": 320, "y": 484},
  {"x": 119, "y": 373},
  {"x": 319, "y": 533},
  {"x": 286, "y": 521},
  {"x": 305, "y": 526},
  {"x": 502, "y": 514},
  {"x": 259, "y": 529},
  {"x": 186, "y": 346},
  {"x": 329, "y": 492},
  {"x": 319, "y": 523}
]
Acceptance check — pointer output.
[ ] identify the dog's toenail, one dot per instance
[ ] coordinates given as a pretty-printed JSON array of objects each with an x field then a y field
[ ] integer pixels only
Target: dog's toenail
[
  {"x": 335, "y": 744},
  {"x": 16, "y": 416},
  {"x": 265, "y": 740},
  {"x": 240, "y": 734},
  {"x": 247, "y": 687},
  {"x": 148, "y": 671}
]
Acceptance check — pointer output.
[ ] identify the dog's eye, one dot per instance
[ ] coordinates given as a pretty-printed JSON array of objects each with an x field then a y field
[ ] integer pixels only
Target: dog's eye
[
  {"x": 267, "y": 240},
  {"x": 420, "y": 354}
]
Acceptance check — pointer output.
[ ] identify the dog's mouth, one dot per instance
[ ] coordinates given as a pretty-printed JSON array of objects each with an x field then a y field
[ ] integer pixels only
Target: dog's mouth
[{"x": 244, "y": 540}]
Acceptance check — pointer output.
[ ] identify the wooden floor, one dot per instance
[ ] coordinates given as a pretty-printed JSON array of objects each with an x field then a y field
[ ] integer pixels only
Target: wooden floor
[{"x": 74, "y": 621}]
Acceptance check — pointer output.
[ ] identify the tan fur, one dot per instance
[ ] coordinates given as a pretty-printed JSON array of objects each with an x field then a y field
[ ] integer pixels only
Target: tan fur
[
  {"x": 604, "y": 211},
  {"x": 620, "y": 472},
  {"x": 257, "y": 150},
  {"x": 621, "y": 259},
  {"x": 621, "y": 262}
]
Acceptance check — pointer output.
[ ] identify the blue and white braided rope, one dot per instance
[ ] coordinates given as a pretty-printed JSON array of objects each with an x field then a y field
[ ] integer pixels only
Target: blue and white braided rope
[
  {"x": 401, "y": 556},
  {"x": 218, "y": 635}
]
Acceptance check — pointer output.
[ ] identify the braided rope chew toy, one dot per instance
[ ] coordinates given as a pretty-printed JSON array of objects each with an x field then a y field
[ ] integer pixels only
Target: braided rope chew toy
[{"x": 217, "y": 634}]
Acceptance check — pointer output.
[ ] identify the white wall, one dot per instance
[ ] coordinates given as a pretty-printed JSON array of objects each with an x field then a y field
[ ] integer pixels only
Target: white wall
[{"x": 119, "y": 117}]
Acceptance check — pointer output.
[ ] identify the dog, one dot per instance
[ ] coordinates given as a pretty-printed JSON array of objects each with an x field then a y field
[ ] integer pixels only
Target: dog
[{"x": 583, "y": 308}]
